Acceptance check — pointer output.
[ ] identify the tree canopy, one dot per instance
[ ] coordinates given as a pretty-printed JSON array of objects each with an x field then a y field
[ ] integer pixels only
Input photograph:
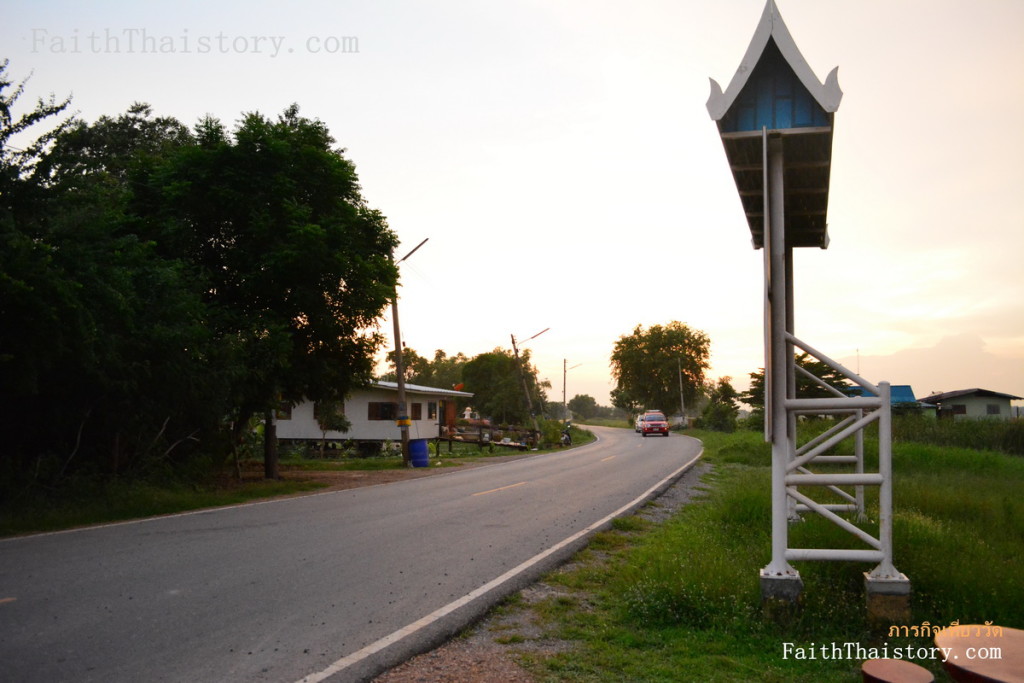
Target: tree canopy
[
  {"x": 494, "y": 379},
  {"x": 805, "y": 387},
  {"x": 583, "y": 406},
  {"x": 719, "y": 414},
  {"x": 160, "y": 285},
  {"x": 444, "y": 371},
  {"x": 646, "y": 366}
]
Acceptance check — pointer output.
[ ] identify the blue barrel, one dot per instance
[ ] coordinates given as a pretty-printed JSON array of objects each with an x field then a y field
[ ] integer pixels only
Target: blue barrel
[{"x": 419, "y": 453}]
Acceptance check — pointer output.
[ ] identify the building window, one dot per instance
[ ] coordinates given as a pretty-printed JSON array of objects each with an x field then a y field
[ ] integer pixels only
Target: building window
[
  {"x": 959, "y": 409},
  {"x": 383, "y": 411},
  {"x": 417, "y": 411},
  {"x": 432, "y": 410},
  {"x": 993, "y": 409}
]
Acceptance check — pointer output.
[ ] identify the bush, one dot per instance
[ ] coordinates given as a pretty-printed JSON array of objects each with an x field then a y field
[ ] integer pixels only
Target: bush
[
  {"x": 1005, "y": 436},
  {"x": 718, "y": 417}
]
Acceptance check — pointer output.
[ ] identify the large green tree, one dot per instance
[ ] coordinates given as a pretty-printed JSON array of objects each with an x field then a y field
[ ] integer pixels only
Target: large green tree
[
  {"x": 96, "y": 330},
  {"x": 158, "y": 284},
  {"x": 583, "y": 406},
  {"x": 646, "y": 366},
  {"x": 297, "y": 268},
  {"x": 497, "y": 387}
]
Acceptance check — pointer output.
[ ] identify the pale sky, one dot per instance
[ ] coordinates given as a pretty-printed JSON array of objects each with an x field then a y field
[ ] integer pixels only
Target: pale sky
[{"x": 559, "y": 157}]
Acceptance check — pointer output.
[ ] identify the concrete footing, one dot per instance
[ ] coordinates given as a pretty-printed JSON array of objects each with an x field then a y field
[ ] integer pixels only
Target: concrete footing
[
  {"x": 780, "y": 594},
  {"x": 888, "y": 601}
]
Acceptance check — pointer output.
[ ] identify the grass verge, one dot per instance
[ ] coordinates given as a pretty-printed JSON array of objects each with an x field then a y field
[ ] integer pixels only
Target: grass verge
[
  {"x": 85, "y": 501},
  {"x": 681, "y": 600}
]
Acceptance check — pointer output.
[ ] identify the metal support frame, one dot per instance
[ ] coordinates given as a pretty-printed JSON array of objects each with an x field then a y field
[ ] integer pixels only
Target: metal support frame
[{"x": 792, "y": 475}]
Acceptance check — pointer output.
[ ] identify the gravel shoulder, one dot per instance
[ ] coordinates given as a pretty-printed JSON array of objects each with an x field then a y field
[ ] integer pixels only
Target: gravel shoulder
[{"x": 491, "y": 650}]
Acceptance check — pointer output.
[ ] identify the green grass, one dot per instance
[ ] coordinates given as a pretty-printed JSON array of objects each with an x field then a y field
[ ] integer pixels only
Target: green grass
[
  {"x": 608, "y": 422},
  {"x": 83, "y": 502},
  {"x": 681, "y": 601}
]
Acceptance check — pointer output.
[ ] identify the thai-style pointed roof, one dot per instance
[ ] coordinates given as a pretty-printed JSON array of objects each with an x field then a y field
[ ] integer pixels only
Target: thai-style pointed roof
[
  {"x": 772, "y": 27},
  {"x": 775, "y": 90}
]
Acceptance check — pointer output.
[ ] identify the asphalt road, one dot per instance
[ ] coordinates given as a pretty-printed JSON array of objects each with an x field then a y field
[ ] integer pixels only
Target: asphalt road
[{"x": 335, "y": 586}]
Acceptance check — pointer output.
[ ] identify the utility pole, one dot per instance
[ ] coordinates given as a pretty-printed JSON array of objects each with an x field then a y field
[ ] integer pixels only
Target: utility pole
[
  {"x": 682, "y": 403},
  {"x": 565, "y": 372},
  {"x": 526, "y": 389},
  {"x": 403, "y": 420}
]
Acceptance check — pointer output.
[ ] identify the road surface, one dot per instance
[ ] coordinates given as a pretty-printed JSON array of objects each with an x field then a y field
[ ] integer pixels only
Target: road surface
[{"x": 335, "y": 586}]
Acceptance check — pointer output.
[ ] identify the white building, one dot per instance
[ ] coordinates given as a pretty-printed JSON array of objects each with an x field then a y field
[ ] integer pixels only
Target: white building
[
  {"x": 373, "y": 413},
  {"x": 973, "y": 404}
]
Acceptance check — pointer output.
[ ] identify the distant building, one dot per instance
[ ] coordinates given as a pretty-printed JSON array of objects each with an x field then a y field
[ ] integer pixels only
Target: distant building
[
  {"x": 373, "y": 413},
  {"x": 973, "y": 404},
  {"x": 901, "y": 398}
]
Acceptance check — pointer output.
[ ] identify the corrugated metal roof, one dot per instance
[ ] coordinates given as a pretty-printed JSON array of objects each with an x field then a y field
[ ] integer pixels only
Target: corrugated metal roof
[
  {"x": 419, "y": 389},
  {"x": 898, "y": 393},
  {"x": 981, "y": 393}
]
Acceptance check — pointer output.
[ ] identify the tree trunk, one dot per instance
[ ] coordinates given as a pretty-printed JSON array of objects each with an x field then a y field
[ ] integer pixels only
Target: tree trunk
[{"x": 270, "y": 470}]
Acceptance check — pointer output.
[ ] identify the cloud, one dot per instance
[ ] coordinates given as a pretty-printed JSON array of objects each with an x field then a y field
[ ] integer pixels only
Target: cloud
[{"x": 960, "y": 361}]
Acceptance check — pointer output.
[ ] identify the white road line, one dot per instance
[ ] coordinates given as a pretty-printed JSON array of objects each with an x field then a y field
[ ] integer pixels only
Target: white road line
[{"x": 375, "y": 647}]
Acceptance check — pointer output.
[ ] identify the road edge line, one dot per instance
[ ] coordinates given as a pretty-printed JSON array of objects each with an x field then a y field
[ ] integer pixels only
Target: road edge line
[{"x": 373, "y": 648}]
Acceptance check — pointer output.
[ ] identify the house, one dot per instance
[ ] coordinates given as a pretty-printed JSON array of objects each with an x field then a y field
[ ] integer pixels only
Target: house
[
  {"x": 373, "y": 412},
  {"x": 973, "y": 404}
]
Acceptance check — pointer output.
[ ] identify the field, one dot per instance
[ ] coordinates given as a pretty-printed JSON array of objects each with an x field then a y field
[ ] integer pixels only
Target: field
[{"x": 681, "y": 600}]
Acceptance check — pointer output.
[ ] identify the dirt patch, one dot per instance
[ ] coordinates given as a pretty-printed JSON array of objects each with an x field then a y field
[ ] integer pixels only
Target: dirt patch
[{"x": 349, "y": 479}]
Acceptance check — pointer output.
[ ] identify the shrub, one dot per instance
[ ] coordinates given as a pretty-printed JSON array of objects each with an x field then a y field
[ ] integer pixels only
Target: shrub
[{"x": 1005, "y": 436}]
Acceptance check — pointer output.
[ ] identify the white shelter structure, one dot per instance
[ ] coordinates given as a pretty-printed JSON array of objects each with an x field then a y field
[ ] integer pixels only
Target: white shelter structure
[{"x": 776, "y": 120}]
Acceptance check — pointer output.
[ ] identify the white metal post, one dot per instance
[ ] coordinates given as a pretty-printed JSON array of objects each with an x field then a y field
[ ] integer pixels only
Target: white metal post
[
  {"x": 885, "y": 569},
  {"x": 859, "y": 468},
  {"x": 775, "y": 242}
]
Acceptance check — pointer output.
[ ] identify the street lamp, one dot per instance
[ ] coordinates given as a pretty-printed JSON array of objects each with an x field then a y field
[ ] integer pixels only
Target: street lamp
[
  {"x": 403, "y": 421},
  {"x": 526, "y": 389}
]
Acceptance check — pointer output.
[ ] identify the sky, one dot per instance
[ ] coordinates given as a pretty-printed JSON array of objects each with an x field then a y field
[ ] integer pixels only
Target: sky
[{"x": 559, "y": 158}]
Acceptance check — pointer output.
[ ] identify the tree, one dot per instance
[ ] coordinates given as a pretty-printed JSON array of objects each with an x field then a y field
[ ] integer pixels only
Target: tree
[
  {"x": 805, "y": 388},
  {"x": 646, "y": 366},
  {"x": 413, "y": 364},
  {"x": 99, "y": 331},
  {"x": 330, "y": 416},
  {"x": 296, "y": 267},
  {"x": 583, "y": 406},
  {"x": 720, "y": 412},
  {"x": 493, "y": 378},
  {"x": 158, "y": 285},
  {"x": 443, "y": 371}
]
